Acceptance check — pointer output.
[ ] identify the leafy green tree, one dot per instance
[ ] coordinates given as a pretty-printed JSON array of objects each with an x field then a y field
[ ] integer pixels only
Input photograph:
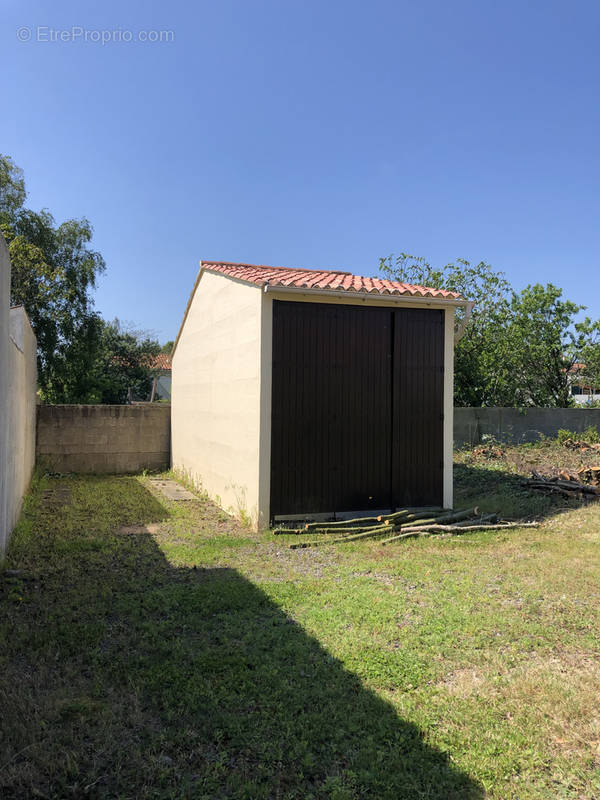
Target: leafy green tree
[
  {"x": 544, "y": 343},
  {"x": 54, "y": 271},
  {"x": 518, "y": 348},
  {"x": 479, "y": 356},
  {"x": 589, "y": 356},
  {"x": 167, "y": 347},
  {"x": 12, "y": 187},
  {"x": 124, "y": 365}
]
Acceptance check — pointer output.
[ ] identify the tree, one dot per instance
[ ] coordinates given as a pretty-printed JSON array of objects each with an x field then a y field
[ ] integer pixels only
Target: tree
[
  {"x": 124, "y": 365},
  {"x": 167, "y": 347},
  {"x": 518, "y": 349},
  {"x": 544, "y": 344},
  {"x": 479, "y": 356},
  {"x": 589, "y": 357},
  {"x": 54, "y": 271},
  {"x": 12, "y": 187}
]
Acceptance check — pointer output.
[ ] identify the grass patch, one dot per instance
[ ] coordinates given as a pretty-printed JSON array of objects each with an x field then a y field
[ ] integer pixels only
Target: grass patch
[{"x": 153, "y": 649}]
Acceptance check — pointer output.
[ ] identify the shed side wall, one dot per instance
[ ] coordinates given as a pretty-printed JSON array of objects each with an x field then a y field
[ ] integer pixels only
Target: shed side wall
[{"x": 215, "y": 400}]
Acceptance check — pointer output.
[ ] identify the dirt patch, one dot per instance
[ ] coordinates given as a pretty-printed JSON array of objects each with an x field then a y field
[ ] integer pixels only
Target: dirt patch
[
  {"x": 153, "y": 527},
  {"x": 171, "y": 490},
  {"x": 535, "y": 671},
  {"x": 463, "y": 682},
  {"x": 289, "y": 564},
  {"x": 52, "y": 499}
]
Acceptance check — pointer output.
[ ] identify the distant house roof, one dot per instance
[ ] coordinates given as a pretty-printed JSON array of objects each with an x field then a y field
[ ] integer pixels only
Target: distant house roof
[
  {"x": 325, "y": 279},
  {"x": 162, "y": 361}
]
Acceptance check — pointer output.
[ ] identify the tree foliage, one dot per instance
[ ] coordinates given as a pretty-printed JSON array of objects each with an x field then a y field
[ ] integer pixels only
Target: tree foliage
[
  {"x": 519, "y": 347},
  {"x": 54, "y": 271},
  {"x": 124, "y": 365},
  {"x": 12, "y": 187},
  {"x": 589, "y": 371},
  {"x": 81, "y": 358},
  {"x": 543, "y": 345}
]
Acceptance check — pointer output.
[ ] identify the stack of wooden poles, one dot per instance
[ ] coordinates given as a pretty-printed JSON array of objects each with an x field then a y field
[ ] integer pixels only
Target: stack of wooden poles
[
  {"x": 402, "y": 524},
  {"x": 583, "y": 484}
]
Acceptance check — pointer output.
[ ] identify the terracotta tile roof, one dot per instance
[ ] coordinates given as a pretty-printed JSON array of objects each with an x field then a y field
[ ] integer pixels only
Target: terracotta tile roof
[
  {"x": 162, "y": 361},
  {"x": 330, "y": 280}
]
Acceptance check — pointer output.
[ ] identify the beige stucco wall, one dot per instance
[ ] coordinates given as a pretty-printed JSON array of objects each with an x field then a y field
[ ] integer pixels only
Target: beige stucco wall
[
  {"x": 216, "y": 393},
  {"x": 21, "y": 407}
]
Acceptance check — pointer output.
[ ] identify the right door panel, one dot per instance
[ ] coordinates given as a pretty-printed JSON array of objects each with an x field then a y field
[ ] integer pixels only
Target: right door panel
[{"x": 418, "y": 408}]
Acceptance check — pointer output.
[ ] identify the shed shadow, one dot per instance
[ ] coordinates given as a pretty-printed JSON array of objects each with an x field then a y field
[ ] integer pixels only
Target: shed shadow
[{"x": 193, "y": 683}]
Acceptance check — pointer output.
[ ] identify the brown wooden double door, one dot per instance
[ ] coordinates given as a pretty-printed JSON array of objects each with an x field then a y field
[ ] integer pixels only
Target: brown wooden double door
[{"x": 357, "y": 408}]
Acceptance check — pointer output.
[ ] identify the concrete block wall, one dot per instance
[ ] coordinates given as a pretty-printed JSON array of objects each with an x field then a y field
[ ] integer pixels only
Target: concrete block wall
[
  {"x": 18, "y": 386},
  {"x": 104, "y": 439},
  {"x": 516, "y": 425}
]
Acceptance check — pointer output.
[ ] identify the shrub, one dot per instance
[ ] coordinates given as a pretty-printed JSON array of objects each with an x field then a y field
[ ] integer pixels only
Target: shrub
[{"x": 589, "y": 435}]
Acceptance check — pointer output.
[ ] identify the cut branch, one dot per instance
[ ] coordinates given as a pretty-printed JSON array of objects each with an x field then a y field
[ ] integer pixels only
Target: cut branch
[{"x": 425, "y": 530}]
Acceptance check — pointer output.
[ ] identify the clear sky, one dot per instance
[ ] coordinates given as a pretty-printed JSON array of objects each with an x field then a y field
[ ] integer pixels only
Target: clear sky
[{"x": 310, "y": 133}]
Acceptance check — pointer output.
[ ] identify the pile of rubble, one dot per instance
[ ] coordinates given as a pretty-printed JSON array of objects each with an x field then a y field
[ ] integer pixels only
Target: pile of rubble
[
  {"x": 488, "y": 451},
  {"x": 575, "y": 444}
]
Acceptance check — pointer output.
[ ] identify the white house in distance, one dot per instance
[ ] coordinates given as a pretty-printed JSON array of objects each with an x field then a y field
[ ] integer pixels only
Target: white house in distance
[
  {"x": 303, "y": 393},
  {"x": 161, "y": 385},
  {"x": 581, "y": 391}
]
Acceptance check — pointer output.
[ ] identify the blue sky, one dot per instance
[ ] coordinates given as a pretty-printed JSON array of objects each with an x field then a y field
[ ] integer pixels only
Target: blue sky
[{"x": 312, "y": 134}]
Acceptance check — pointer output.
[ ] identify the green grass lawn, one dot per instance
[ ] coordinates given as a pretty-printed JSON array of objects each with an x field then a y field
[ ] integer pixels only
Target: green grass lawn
[{"x": 151, "y": 649}]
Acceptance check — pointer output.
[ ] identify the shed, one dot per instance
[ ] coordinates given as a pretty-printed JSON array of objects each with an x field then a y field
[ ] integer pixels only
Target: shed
[{"x": 313, "y": 393}]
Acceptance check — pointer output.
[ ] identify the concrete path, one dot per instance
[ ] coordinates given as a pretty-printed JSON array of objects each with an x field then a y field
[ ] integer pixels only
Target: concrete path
[{"x": 171, "y": 489}]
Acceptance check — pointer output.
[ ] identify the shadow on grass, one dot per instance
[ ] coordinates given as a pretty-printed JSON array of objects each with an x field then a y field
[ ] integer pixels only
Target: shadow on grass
[
  {"x": 493, "y": 489},
  {"x": 126, "y": 677}
]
